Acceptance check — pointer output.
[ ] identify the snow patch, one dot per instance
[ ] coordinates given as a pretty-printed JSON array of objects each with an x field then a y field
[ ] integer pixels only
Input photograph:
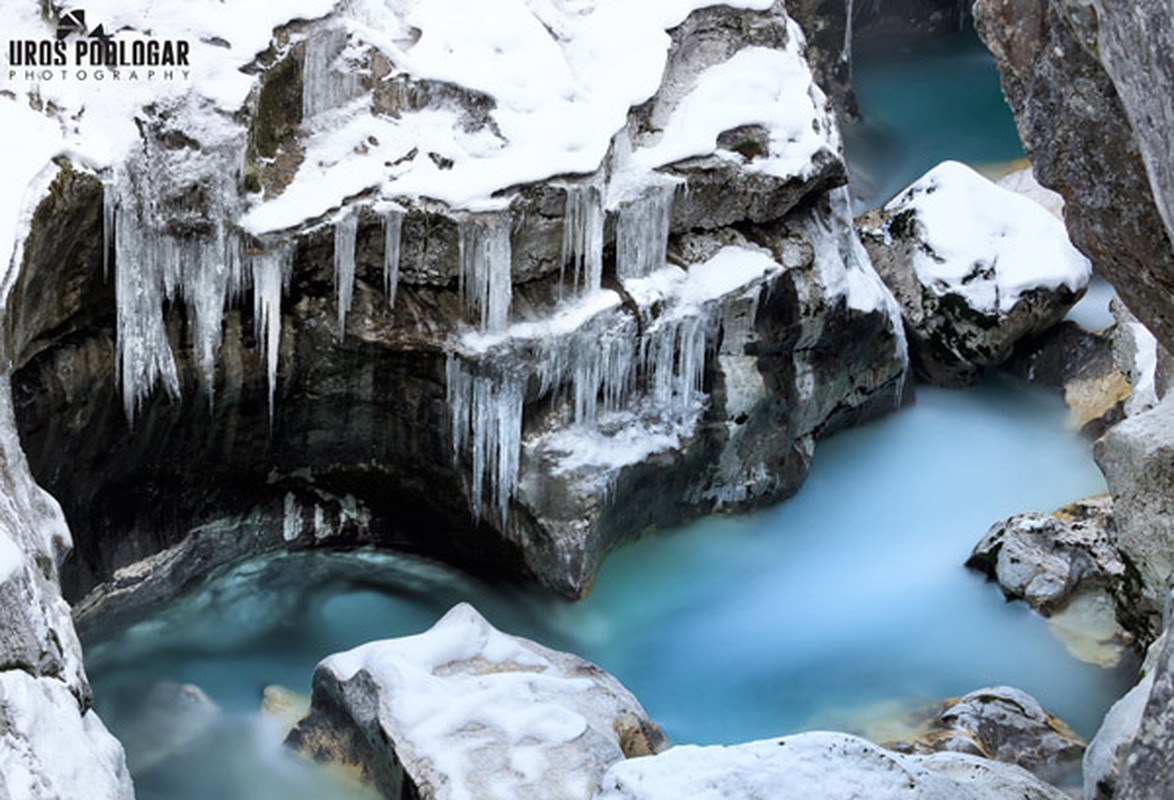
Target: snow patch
[{"x": 989, "y": 245}]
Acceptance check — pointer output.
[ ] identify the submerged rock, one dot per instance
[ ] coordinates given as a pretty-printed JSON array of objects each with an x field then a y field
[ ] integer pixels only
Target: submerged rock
[
  {"x": 464, "y": 710},
  {"x": 976, "y": 269},
  {"x": 1007, "y": 725},
  {"x": 825, "y": 765}
]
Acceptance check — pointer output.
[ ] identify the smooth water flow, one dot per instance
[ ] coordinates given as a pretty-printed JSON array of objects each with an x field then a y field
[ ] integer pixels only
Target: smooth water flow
[
  {"x": 924, "y": 101},
  {"x": 848, "y": 599}
]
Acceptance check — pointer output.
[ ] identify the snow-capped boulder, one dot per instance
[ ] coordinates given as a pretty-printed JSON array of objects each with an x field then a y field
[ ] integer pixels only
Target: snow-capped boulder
[
  {"x": 1008, "y": 725},
  {"x": 833, "y": 766},
  {"x": 975, "y": 267},
  {"x": 466, "y": 711}
]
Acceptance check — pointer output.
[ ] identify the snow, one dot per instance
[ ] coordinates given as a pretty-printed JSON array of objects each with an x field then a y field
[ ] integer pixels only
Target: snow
[
  {"x": 988, "y": 244},
  {"x": 463, "y": 699},
  {"x": 817, "y": 764},
  {"x": 49, "y": 749},
  {"x": 562, "y": 74},
  {"x": 756, "y": 86}
]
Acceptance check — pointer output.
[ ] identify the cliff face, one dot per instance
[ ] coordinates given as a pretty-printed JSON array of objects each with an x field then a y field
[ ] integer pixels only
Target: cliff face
[
  {"x": 373, "y": 336},
  {"x": 1087, "y": 86}
]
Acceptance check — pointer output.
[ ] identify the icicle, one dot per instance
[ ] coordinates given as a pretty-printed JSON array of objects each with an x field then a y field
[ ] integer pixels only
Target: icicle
[
  {"x": 345, "y": 231},
  {"x": 324, "y": 84},
  {"x": 485, "y": 282},
  {"x": 393, "y": 223},
  {"x": 270, "y": 272},
  {"x": 486, "y": 413},
  {"x": 109, "y": 210},
  {"x": 583, "y": 237},
  {"x": 642, "y": 232}
]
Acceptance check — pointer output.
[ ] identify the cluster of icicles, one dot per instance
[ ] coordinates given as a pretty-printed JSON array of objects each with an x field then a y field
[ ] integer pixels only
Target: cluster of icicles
[{"x": 608, "y": 366}]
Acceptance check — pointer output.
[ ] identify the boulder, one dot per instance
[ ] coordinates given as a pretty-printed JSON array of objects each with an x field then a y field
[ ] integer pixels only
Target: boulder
[
  {"x": 1144, "y": 773},
  {"x": 1079, "y": 76},
  {"x": 826, "y": 765},
  {"x": 1045, "y": 559},
  {"x": 1004, "y": 724},
  {"x": 1137, "y": 457},
  {"x": 464, "y": 710},
  {"x": 976, "y": 269},
  {"x": 51, "y": 748},
  {"x": 1145, "y": 363}
]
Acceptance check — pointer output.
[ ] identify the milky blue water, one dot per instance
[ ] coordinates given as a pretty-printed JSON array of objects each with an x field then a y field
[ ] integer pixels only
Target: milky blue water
[
  {"x": 849, "y": 595},
  {"x": 924, "y": 101}
]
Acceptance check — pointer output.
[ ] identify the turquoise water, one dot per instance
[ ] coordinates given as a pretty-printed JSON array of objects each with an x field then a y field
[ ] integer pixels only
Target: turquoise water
[
  {"x": 925, "y": 101},
  {"x": 811, "y": 614}
]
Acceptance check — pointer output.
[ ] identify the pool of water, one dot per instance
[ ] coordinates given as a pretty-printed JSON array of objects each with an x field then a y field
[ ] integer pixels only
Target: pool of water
[
  {"x": 924, "y": 101},
  {"x": 847, "y": 600}
]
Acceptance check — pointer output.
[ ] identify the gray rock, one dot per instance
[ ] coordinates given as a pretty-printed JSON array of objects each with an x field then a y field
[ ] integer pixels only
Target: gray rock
[
  {"x": 1146, "y": 364},
  {"x": 1004, "y": 724},
  {"x": 1107, "y": 751},
  {"x": 969, "y": 294},
  {"x": 1045, "y": 559},
  {"x": 1137, "y": 457},
  {"x": 464, "y": 710},
  {"x": 827, "y": 25},
  {"x": 825, "y": 765},
  {"x": 1080, "y": 76},
  {"x": 1144, "y": 774}
]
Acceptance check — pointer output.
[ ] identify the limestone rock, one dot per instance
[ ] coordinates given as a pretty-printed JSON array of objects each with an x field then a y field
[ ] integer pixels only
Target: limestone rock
[
  {"x": 1082, "y": 363},
  {"x": 1137, "y": 457},
  {"x": 1004, "y": 724},
  {"x": 1047, "y": 558},
  {"x": 51, "y": 748},
  {"x": 1080, "y": 76},
  {"x": 1145, "y": 772},
  {"x": 826, "y": 765},
  {"x": 1146, "y": 364},
  {"x": 1107, "y": 751},
  {"x": 976, "y": 268},
  {"x": 464, "y": 710}
]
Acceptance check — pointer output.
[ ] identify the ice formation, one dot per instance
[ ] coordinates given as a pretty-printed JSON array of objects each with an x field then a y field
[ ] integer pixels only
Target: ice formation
[
  {"x": 271, "y": 271},
  {"x": 485, "y": 283},
  {"x": 393, "y": 223},
  {"x": 642, "y": 230},
  {"x": 583, "y": 237},
  {"x": 327, "y": 83},
  {"x": 168, "y": 247},
  {"x": 345, "y": 231}
]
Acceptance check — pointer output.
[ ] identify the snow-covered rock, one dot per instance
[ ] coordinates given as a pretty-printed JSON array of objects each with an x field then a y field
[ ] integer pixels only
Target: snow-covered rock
[
  {"x": 52, "y": 748},
  {"x": 466, "y": 711},
  {"x": 825, "y": 765},
  {"x": 1008, "y": 725},
  {"x": 409, "y": 281},
  {"x": 975, "y": 267}
]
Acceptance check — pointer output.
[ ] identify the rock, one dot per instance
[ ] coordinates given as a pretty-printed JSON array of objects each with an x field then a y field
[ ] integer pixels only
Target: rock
[
  {"x": 464, "y": 710},
  {"x": 1137, "y": 458},
  {"x": 1147, "y": 365},
  {"x": 400, "y": 423},
  {"x": 1144, "y": 774},
  {"x": 1022, "y": 181},
  {"x": 162, "y": 721},
  {"x": 976, "y": 269},
  {"x": 827, "y": 26},
  {"x": 1081, "y": 363},
  {"x": 51, "y": 748},
  {"x": 1079, "y": 76},
  {"x": 1107, "y": 751},
  {"x": 1045, "y": 559},
  {"x": 903, "y": 18},
  {"x": 1007, "y": 725},
  {"x": 825, "y": 765}
]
